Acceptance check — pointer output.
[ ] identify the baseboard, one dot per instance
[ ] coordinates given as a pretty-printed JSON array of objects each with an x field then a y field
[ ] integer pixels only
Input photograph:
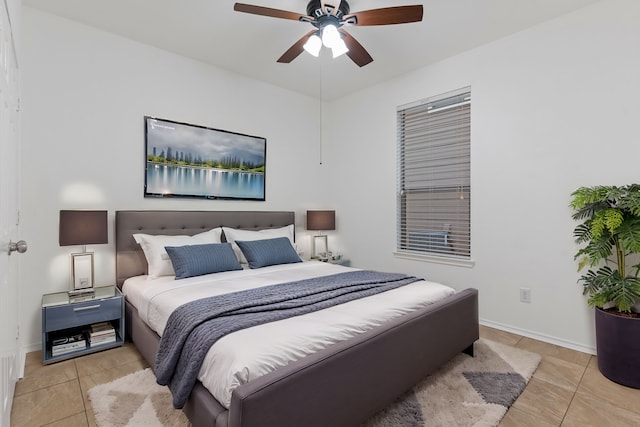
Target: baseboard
[{"x": 540, "y": 337}]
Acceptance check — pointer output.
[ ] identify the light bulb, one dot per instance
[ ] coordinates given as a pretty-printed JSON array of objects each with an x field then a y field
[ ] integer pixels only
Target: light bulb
[
  {"x": 313, "y": 45},
  {"x": 339, "y": 49},
  {"x": 330, "y": 36}
]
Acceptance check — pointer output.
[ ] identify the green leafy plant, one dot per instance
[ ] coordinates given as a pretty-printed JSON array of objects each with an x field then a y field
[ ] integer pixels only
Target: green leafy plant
[{"x": 609, "y": 233}]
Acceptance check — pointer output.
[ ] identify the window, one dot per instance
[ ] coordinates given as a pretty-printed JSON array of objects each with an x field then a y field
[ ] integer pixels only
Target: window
[{"x": 434, "y": 183}]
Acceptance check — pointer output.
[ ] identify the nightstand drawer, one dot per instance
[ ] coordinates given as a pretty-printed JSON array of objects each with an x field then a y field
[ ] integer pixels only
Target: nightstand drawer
[{"x": 68, "y": 316}]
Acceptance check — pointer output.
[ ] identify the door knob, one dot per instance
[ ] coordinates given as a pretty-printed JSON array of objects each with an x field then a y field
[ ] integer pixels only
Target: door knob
[{"x": 20, "y": 246}]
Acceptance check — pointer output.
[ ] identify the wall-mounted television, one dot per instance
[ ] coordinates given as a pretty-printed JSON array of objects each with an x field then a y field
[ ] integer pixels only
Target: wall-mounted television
[{"x": 185, "y": 160}]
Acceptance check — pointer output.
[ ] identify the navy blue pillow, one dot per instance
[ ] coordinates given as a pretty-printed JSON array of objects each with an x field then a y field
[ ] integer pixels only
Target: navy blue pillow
[
  {"x": 262, "y": 253},
  {"x": 196, "y": 260}
]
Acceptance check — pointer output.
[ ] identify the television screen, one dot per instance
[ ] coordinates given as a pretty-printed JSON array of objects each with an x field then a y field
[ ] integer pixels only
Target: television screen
[{"x": 184, "y": 160}]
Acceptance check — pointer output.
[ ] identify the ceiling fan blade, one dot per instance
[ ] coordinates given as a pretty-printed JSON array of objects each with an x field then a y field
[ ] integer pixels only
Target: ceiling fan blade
[
  {"x": 267, "y": 11},
  {"x": 329, "y": 8},
  {"x": 337, "y": 8},
  {"x": 294, "y": 51},
  {"x": 334, "y": 9},
  {"x": 357, "y": 53},
  {"x": 387, "y": 15}
]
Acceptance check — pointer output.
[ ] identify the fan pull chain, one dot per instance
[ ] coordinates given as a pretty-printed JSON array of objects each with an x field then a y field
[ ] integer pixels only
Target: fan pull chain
[{"x": 321, "y": 117}]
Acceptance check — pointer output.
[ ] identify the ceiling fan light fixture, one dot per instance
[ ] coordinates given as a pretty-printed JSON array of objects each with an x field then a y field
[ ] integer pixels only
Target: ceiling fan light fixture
[
  {"x": 313, "y": 45},
  {"x": 330, "y": 36},
  {"x": 339, "y": 49}
]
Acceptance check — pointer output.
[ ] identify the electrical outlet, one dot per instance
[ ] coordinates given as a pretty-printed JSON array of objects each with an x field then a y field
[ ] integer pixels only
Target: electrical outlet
[{"x": 525, "y": 295}]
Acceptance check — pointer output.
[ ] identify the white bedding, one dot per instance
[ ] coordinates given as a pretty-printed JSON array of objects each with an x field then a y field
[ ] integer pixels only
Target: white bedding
[{"x": 250, "y": 353}]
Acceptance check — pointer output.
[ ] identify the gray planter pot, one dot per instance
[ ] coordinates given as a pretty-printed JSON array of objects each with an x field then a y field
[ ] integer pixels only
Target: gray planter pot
[{"x": 618, "y": 347}]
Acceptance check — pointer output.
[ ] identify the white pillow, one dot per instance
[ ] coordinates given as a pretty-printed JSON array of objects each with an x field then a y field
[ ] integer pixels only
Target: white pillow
[
  {"x": 157, "y": 257},
  {"x": 233, "y": 234},
  {"x": 212, "y": 236}
]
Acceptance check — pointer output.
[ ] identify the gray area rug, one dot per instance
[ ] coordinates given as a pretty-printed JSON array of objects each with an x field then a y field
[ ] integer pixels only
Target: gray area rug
[{"x": 467, "y": 391}]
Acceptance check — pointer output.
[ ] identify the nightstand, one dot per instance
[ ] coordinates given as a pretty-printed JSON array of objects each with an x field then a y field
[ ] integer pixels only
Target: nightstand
[
  {"x": 342, "y": 261},
  {"x": 65, "y": 316}
]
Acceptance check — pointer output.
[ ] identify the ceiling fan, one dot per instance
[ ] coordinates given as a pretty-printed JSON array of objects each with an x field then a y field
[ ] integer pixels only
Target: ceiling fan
[{"x": 328, "y": 21}]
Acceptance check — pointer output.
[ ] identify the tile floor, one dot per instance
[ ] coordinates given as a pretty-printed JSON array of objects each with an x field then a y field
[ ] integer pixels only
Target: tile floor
[
  {"x": 566, "y": 390},
  {"x": 56, "y": 394}
]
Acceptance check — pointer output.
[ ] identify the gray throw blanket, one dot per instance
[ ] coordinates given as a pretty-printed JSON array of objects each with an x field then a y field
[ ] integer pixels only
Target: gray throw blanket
[{"x": 195, "y": 326}]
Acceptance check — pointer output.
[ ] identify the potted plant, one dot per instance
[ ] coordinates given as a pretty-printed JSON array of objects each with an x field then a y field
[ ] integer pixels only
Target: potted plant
[{"x": 609, "y": 235}]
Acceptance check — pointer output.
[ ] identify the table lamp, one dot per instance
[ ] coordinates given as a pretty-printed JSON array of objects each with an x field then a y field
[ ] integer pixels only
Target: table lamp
[
  {"x": 82, "y": 228},
  {"x": 320, "y": 221}
]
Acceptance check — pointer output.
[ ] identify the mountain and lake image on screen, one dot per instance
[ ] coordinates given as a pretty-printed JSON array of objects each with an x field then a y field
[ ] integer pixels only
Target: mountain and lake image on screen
[{"x": 184, "y": 160}]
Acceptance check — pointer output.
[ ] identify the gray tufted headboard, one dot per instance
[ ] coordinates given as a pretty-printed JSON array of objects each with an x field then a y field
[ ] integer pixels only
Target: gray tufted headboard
[{"x": 130, "y": 260}]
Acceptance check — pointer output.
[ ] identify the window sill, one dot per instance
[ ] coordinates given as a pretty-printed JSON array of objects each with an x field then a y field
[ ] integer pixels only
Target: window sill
[{"x": 438, "y": 259}]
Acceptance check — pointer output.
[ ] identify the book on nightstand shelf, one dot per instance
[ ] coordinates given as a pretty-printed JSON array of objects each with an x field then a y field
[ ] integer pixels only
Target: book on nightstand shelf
[
  {"x": 101, "y": 333},
  {"x": 64, "y": 345},
  {"x": 61, "y": 349}
]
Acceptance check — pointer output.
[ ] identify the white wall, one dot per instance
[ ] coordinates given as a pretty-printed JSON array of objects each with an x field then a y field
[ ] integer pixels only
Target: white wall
[
  {"x": 85, "y": 93},
  {"x": 554, "y": 107}
]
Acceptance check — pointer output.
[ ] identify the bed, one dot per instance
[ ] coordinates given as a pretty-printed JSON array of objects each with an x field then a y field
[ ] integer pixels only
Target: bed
[{"x": 341, "y": 385}]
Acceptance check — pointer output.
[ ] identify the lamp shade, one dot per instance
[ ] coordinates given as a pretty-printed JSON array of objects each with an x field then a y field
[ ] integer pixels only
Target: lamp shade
[
  {"x": 321, "y": 220},
  {"x": 313, "y": 45},
  {"x": 339, "y": 49},
  {"x": 83, "y": 228},
  {"x": 330, "y": 36}
]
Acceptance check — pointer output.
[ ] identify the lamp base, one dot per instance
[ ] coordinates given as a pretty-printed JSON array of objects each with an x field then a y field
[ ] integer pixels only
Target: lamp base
[
  {"x": 82, "y": 272},
  {"x": 319, "y": 255}
]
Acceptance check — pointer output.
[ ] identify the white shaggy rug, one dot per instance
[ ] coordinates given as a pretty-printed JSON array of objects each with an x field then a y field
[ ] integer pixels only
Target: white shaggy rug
[
  {"x": 135, "y": 400},
  {"x": 467, "y": 391}
]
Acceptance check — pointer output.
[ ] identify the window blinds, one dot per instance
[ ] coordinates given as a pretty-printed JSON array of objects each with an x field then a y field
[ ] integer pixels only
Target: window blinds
[{"x": 434, "y": 182}]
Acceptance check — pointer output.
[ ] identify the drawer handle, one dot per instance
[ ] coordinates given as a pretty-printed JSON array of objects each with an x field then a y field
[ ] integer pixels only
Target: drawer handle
[{"x": 89, "y": 307}]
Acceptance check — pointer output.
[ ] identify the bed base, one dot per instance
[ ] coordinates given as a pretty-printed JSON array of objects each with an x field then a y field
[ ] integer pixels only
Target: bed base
[{"x": 344, "y": 384}]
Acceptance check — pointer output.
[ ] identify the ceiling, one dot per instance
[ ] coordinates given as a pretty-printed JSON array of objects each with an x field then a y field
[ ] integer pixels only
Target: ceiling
[{"x": 211, "y": 32}]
